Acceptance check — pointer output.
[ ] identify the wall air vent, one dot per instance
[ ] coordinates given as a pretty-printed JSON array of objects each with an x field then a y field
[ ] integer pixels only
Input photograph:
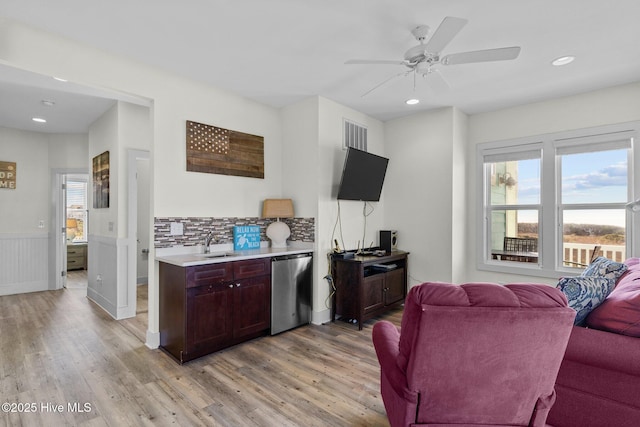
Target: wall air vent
[{"x": 354, "y": 135}]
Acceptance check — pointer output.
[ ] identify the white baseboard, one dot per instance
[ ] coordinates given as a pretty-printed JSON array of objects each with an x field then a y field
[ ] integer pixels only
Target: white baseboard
[
  {"x": 320, "y": 317},
  {"x": 153, "y": 339},
  {"x": 24, "y": 287}
]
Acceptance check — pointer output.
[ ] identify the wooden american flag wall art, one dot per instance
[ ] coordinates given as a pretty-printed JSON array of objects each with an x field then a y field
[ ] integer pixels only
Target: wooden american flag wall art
[{"x": 211, "y": 149}]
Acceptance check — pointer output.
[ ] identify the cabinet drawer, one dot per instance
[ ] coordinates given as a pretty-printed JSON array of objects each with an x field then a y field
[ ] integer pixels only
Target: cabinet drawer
[
  {"x": 75, "y": 251},
  {"x": 210, "y": 274},
  {"x": 251, "y": 268}
]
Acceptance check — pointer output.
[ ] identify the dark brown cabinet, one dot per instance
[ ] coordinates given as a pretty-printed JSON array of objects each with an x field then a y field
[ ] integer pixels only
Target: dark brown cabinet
[
  {"x": 210, "y": 307},
  {"x": 367, "y": 286}
]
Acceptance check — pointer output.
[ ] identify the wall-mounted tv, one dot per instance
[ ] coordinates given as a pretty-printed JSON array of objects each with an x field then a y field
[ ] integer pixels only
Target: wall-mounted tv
[{"x": 362, "y": 176}]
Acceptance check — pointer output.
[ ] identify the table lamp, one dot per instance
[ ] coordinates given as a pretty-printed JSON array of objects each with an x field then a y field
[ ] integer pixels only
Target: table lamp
[
  {"x": 278, "y": 231},
  {"x": 72, "y": 228}
]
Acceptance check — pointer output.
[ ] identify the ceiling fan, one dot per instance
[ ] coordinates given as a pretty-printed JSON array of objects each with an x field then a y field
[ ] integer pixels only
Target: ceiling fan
[{"x": 422, "y": 58}]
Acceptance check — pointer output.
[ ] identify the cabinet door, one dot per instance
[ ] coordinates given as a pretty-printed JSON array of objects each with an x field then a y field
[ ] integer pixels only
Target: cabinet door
[
  {"x": 209, "y": 316},
  {"x": 394, "y": 286},
  {"x": 372, "y": 289},
  {"x": 251, "y": 306}
]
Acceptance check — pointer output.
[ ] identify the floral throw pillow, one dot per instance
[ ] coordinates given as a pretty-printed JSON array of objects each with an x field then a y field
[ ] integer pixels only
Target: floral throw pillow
[
  {"x": 585, "y": 293},
  {"x": 604, "y": 267}
]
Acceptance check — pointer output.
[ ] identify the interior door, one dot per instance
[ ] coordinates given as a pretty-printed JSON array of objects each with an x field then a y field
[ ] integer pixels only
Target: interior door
[{"x": 62, "y": 226}]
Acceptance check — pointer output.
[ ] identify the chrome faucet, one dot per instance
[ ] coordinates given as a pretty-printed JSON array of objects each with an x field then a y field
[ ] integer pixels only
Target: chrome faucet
[{"x": 207, "y": 242}]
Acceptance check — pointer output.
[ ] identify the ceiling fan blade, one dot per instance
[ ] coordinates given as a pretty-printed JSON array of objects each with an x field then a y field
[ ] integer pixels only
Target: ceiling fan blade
[
  {"x": 404, "y": 73},
  {"x": 374, "y": 61},
  {"x": 446, "y": 31},
  {"x": 499, "y": 54},
  {"x": 437, "y": 81}
]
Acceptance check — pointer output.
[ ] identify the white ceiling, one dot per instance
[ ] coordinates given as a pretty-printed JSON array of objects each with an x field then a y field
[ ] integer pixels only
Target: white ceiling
[{"x": 281, "y": 51}]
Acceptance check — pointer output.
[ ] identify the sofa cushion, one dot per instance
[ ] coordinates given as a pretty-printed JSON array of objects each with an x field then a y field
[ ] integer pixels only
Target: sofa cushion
[
  {"x": 620, "y": 312},
  {"x": 604, "y": 267},
  {"x": 585, "y": 293}
]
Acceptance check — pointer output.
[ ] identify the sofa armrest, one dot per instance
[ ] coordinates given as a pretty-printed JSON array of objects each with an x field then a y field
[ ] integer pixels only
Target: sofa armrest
[
  {"x": 605, "y": 350},
  {"x": 386, "y": 338}
]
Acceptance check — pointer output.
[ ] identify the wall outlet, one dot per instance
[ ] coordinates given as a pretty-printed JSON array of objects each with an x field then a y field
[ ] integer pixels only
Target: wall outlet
[
  {"x": 111, "y": 225},
  {"x": 41, "y": 223},
  {"x": 99, "y": 278},
  {"x": 177, "y": 229}
]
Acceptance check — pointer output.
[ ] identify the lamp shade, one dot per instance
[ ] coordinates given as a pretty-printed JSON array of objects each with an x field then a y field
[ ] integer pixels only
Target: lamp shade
[
  {"x": 278, "y": 231},
  {"x": 277, "y": 208}
]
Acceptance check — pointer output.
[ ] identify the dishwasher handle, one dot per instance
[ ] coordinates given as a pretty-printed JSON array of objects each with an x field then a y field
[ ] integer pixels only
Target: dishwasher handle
[{"x": 288, "y": 257}]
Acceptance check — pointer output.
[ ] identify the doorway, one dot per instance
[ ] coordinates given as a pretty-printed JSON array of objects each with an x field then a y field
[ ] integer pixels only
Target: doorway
[
  {"x": 139, "y": 236},
  {"x": 76, "y": 227}
]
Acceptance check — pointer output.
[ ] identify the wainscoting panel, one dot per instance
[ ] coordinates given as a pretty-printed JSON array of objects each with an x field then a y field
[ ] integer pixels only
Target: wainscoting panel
[
  {"x": 102, "y": 272},
  {"x": 107, "y": 276},
  {"x": 24, "y": 263}
]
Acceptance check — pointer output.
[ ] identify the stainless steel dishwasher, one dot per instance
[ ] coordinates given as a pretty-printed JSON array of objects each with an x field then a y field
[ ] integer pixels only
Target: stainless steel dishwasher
[{"x": 291, "y": 279}]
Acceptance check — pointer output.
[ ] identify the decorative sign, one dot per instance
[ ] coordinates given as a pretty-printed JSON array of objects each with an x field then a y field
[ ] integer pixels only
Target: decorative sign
[
  {"x": 212, "y": 149},
  {"x": 8, "y": 175},
  {"x": 101, "y": 181},
  {"x": 246, "y": 237}
]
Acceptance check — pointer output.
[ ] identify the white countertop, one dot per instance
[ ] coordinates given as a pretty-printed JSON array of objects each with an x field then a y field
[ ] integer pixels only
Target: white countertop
[{"x": 219, "y": 253}]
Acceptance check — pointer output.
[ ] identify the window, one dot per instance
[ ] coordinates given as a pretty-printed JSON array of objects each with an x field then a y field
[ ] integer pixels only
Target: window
[
  {"x": 548, "y": 203},
  {"x": 77, "y": 226},
  {"x": 593, "y": 192}
]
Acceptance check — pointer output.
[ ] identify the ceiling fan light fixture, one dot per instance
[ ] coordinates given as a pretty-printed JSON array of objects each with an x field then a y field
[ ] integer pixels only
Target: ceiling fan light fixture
[
  {"x": 563, "y": 60},
  {"x": 412, "y": 101}
]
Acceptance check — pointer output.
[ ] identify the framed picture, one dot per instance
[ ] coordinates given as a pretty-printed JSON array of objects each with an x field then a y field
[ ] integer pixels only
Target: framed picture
[{"x": 101, "y": 181}]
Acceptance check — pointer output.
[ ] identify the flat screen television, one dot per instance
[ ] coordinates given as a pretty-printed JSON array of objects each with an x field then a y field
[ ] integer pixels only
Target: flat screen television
[{"x": 362, "y": 176}]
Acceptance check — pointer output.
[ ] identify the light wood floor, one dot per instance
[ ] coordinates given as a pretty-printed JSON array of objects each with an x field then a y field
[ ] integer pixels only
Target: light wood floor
[{"x": 58, "y": 348}]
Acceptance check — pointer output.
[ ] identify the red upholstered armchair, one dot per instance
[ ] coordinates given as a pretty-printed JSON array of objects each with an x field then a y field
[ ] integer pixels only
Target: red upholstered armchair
[{"x": 475, "y": 354}]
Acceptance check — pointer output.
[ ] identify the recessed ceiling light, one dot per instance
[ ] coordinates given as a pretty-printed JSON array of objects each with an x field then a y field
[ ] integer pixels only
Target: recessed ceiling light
[
  {"x": 60, "y": 79},
  {"x": 563, "y": 60},
  {"x": 412, "y": 101},
  {"x": 39, "y": 120}
]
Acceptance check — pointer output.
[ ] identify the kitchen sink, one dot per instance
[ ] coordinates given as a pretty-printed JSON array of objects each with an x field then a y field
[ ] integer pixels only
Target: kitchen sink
[{"x": 214, "y": 255}]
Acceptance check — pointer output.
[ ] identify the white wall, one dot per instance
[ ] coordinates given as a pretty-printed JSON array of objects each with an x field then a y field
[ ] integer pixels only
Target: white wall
[
  {"x": 607, "y": 106},
  {"x": 22, "y": 209},
  {"x": 68, "y": 151},
  {"x": 423, "y": 191}
]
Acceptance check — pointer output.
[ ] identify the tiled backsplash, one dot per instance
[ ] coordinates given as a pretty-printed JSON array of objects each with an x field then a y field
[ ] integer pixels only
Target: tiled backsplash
[{"x": 196, "y": 229}]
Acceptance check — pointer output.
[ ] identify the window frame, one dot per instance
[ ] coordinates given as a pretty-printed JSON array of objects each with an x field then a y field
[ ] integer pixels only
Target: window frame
[{"x": 550, "y": 232}]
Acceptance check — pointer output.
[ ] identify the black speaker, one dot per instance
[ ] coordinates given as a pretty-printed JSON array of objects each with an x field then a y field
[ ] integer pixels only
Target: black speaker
[{"x": 388, "y": 240}]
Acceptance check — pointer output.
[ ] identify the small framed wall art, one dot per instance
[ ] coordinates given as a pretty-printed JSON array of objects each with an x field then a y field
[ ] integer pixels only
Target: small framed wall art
[{"x": 101, "y": 181}]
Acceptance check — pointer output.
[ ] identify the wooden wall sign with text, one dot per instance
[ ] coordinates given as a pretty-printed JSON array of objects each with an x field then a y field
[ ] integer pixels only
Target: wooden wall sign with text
[
  {"x": 212, "y": 149},
  {"x": 8, "y": 175}
]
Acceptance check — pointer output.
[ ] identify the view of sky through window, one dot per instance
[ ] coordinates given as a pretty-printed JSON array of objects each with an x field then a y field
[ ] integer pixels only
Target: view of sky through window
[{"x": 599, "y": 177}]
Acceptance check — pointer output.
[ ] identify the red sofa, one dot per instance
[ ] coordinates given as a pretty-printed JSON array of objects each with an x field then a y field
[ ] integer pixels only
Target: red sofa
[{"x": 598, "y": 384}]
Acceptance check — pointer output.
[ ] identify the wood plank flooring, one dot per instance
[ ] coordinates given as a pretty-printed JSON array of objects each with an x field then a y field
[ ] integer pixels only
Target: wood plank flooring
[{"x": 58, "y": 348}]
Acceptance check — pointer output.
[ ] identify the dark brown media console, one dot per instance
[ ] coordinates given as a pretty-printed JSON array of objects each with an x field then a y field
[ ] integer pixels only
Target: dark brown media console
[{"x": 367, "y": 286}]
